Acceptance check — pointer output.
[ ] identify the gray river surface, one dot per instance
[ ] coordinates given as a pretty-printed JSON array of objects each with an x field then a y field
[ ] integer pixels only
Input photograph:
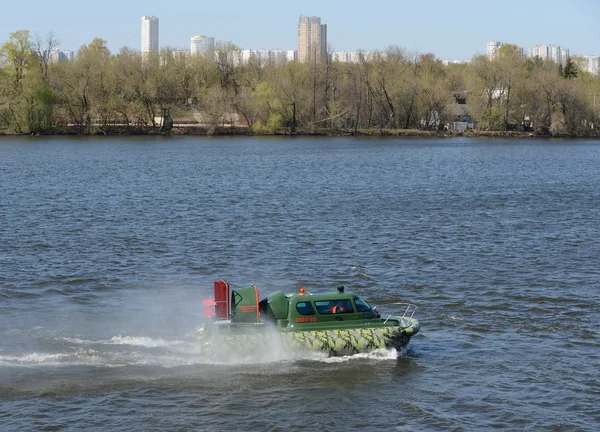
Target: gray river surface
[{"x": 108, "y": 246}]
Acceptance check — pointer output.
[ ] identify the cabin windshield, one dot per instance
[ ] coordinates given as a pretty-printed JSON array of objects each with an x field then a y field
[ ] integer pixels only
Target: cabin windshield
[{"x": 361, "y": 305}]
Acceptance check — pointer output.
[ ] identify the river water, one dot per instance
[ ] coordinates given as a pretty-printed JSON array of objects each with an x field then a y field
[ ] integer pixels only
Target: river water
[{"x": 108, "y": 246}]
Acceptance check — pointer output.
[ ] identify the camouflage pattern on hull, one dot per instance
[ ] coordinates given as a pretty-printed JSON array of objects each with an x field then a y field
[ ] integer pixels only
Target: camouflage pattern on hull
[
  {"x": 333, "y": 342},
  {"x": 344, "y": 342}
]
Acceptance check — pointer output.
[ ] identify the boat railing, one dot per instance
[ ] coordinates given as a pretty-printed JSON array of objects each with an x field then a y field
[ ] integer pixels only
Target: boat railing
[{"x": 407, "y": 315}]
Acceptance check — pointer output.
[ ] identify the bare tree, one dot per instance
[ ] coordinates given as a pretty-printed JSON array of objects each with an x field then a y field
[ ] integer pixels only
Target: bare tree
[{"x": 43, "y": 47}]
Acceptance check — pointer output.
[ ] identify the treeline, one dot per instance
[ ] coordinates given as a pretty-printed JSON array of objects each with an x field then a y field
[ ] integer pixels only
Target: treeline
[{"x": 388, "y": 90}]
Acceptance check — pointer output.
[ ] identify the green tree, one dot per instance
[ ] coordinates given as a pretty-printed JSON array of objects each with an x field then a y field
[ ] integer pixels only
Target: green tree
[
  {"x": 511, "y": 64},
  {"x": 486, "y": 92},
  {"x": 26, "y": 100},
  {"x": 570, "y": 69}
]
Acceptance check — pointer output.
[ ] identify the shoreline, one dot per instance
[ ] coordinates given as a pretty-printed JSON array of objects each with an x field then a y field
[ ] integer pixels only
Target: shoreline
[{"x": 188, "y": 130}]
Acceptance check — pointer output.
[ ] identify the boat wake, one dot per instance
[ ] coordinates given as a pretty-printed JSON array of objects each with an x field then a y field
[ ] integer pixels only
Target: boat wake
[
  {"x": 126, "y": 350},
  {"x": 78, "y": 357},
  {"x": 380, "y": 354}
]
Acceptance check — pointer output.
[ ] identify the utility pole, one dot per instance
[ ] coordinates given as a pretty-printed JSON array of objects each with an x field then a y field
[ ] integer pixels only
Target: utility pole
[
  {"x": 595, "y": 103},
  {"x": 594, "y": 108},
  {"x": 314, "y": 93}
]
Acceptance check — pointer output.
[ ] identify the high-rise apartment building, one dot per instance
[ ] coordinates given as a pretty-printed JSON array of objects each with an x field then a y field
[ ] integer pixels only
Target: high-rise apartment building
[
  {"x": 352, "y": 56},
  {"x": 312, "y": 39},
  {"x": 268, "y": 56},
  {"x": 492, "y": 49},
  {"x": 57, "y": 55},
  {"x": 200, "y": 45},
  {"x": 589, "y": 63},
  {"x": 554, "y": 52},
  {"x": 149, "y": 34}
]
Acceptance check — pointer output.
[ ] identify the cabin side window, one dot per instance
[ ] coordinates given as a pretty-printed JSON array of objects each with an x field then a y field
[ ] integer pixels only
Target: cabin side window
[
  {"x": 361, "y": 305},
  {"x": 305, "y": 308},
  {"x": 326, "y": 307}
]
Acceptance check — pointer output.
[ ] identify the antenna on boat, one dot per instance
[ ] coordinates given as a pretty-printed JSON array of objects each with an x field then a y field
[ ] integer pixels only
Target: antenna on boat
[{"x": 341, "y": 289}]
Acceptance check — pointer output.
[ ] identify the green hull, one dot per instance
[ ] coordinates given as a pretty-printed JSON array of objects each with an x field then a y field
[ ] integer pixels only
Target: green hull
[{"x": 334, "y": 342}]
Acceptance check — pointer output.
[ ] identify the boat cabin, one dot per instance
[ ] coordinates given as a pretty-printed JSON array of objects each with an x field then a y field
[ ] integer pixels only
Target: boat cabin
[{"x": 242, "y": 307}]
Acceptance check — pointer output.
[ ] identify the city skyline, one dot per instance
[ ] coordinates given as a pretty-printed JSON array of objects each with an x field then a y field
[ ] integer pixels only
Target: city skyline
[{"x": 448, "y": 33}]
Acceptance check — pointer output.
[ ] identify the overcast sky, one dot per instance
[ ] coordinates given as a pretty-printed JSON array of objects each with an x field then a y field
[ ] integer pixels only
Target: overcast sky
[{"x": 450, "y": 30}]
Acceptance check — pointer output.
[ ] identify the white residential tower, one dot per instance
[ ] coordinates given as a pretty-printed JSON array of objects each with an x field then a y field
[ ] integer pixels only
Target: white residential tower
[
  {"x": 312, "y": 39},
  {"x": 554, "y": 52},
  {"x": 149, "y": 34},
  {"x": 200, "y": 45},
  {"x": 492, "y": 49}
]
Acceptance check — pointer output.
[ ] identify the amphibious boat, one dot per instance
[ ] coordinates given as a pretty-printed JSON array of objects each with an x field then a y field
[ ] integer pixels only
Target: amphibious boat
[{"x": 338, "y": 322}]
